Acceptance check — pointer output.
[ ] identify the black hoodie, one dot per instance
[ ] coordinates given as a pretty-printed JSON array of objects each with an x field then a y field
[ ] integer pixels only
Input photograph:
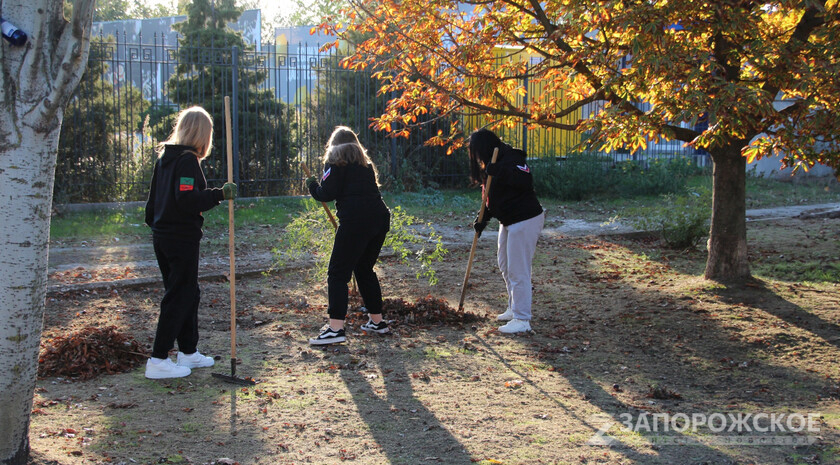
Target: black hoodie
[
  {"x": 179, "y": 194},
  {"x": 356, "y": 194},
  {"x": 512, "y": 198}
]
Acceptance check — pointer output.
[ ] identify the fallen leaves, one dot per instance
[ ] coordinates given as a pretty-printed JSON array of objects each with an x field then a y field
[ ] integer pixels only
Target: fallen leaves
[
  {"x": 81, "y": 275},
  {"x": 90, "y": 352},
  {"x": 426, "y": 310}
]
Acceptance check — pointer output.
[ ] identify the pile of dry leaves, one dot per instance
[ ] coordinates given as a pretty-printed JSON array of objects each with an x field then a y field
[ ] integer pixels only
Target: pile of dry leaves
[
  {"x": 90, "y": 352},
  {"x": 426, "y": 310}
]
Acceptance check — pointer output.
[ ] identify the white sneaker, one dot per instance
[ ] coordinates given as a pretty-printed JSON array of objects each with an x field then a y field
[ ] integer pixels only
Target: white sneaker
[
  {"x": 166, "y": 368},
  {"x": 516, "y": 326},
  {"x": 507, "y": 316},
  {"x": 195, "y": 360}
]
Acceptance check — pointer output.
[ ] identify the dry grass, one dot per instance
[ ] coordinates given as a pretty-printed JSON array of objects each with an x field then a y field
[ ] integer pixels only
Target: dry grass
[{"x": 621, "y": 326}]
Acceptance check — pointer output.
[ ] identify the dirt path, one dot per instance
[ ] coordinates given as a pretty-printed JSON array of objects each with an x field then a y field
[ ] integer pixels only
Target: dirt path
[{"x": 93, "y": 267}]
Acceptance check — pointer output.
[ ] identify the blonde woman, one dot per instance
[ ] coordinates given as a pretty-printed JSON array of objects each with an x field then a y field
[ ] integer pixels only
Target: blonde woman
[
  {"x": 177, "y": 197},
  {"x": 350, "y": 179}
]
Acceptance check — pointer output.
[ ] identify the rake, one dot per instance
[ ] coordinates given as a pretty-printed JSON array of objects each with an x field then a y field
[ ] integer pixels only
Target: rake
[{"x": 232, "y": 378}]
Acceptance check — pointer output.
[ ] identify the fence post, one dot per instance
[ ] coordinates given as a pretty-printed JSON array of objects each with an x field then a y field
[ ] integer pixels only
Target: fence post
[
  {"x": 525, "y": 105},
  {"x": 235, "y": 111}
]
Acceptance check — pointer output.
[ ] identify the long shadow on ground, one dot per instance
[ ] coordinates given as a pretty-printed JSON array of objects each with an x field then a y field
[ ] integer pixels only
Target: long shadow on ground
[{"x": 399, "y": 422}]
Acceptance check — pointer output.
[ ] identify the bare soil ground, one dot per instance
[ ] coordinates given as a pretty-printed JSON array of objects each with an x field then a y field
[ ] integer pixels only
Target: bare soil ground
[{"x": 621, "y": 326}]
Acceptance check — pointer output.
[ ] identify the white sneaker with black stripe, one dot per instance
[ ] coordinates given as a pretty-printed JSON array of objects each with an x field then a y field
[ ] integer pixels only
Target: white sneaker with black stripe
[
  {"x": 328, "y": 336},
  {"x": 371, "y": 327}
]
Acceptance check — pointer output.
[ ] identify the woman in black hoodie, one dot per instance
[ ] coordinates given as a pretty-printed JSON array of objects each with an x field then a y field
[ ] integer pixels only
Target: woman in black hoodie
[
  {"x": 177, "y": 197},
  {"x": 364, "y": 220},
  {"x": 514, "y": 203}
]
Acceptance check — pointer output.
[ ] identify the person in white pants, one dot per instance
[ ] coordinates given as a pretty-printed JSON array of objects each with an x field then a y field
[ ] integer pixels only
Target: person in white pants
[
  {"x": 513, "y": 201},
  {"x": 517, "y": 245}
]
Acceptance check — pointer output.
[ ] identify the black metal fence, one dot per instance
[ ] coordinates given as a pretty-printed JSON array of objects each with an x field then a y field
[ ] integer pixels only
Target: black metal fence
[
  {"x": 285, "y": 103},
  {"x": 286, "y": 100}
]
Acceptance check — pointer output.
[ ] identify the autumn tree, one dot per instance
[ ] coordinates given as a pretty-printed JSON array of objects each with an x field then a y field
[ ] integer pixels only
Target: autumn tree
[
  {"x": 38, "y": 79},
  {"x": 652, "y": 70}
]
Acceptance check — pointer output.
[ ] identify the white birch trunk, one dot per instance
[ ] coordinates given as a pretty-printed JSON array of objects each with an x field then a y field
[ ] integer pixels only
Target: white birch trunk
[{"x": 38, "y": 79}]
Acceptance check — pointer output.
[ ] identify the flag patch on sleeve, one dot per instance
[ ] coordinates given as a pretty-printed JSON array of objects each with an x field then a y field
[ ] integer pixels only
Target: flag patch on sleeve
[
  {"x": 524, "y": 168},
  {"x": 326, "y": 174},
  {"x": 186, "y": 184}
]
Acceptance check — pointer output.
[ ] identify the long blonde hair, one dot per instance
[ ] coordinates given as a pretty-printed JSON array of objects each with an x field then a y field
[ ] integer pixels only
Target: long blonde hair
[
  {"x": 344, "y": 148},
  {"x": 193, "y": 128}
]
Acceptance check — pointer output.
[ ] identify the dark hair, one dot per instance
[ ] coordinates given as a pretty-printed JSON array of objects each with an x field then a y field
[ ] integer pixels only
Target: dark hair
[{"x": 481, "y": 145}]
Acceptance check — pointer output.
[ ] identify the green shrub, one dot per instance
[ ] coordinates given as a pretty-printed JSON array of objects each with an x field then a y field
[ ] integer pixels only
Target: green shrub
[
  {"x": 681, "y": 220},
  {"x": 414, "y": 243},
  {"x": 652, "y": 176},
  {"x": 579, "y": 176}
]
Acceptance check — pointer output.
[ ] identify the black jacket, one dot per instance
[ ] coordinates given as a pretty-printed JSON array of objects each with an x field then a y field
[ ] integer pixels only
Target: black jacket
[
  {"x": 512, "y": 198},
  {"x": 353, "y": 187},
  {"x": 179, "y": 194}
]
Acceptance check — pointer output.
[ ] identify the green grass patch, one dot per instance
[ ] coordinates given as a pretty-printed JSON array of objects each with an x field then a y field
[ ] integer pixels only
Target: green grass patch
[
  {"x": 98, "y": 224},
  {"x": 768, "y": 192},
  {"x": 800, "y": 271}
]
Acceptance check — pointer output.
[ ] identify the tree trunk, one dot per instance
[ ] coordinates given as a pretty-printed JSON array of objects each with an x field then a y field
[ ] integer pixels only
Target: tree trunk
[
  {"x": 727, "y": 260},
  {"x": 26, "y": 182},
  {"x": 38, "y": 79}
]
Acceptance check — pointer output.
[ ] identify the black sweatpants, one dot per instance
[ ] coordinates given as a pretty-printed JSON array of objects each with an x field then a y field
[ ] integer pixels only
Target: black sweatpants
[
  {"x": 178, "y": 320},
  {"x": 355, "y": 251}
]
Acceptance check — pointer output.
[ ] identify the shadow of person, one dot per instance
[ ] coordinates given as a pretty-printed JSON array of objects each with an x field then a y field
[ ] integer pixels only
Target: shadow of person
[
  {"x": 396, "y": 418},
  {"x": 600, "y": 424},
  {"x": 757, "y": 295}
]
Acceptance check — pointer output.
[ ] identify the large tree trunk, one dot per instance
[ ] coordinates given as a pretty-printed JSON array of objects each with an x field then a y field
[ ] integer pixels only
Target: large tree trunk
[
  {"x": 27, "y": 180},
  {"x": 38, "y": 80},
  {"x": 727, "y": 260}
]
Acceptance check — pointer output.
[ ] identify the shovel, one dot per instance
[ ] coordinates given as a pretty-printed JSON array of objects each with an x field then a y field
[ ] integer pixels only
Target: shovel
[
  {"x": 475, "y": 237},
  {"x": 232, "y": 378}
]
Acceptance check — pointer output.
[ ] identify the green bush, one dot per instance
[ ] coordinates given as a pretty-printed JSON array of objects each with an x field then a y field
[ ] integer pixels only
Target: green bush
[
  {"x": 681, "y": 220},
  {"x": 652, "y": 177},
  {"x": 579, "y": 176},
  {"x": 311, "y": 234},
  {"x": 584, "y": 175}
]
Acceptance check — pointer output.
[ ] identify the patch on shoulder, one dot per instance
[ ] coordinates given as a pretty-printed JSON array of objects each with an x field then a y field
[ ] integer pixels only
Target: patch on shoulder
[
  {"x": 326, "y": 174},
  {"x": 186, "y": 184},
  {"x": 524, "y": 168}
]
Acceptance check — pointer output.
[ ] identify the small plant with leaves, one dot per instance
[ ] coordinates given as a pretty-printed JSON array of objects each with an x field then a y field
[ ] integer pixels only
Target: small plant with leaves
[
  {"x": 310, "y": 234},
  {"x": 682, "y": 220}
]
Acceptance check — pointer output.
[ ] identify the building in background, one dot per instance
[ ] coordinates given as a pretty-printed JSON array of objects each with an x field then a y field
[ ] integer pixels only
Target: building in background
[{"x": 144, "y": 51}]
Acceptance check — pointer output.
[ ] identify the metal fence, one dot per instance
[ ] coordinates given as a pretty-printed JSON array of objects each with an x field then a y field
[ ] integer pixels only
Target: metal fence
[
  {"x": 286, "y": 100},
  {"x": 285, "y": 103}
]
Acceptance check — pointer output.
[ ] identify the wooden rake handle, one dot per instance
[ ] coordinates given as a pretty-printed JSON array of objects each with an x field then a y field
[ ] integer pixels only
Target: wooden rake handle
[
  {"x": 475, "y": 237},
  {"x": 231, "y": 242},
  {"x": 323, "y": 204}
]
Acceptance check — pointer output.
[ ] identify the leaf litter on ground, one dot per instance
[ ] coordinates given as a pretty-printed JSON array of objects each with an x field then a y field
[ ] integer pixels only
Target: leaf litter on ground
[{"x": 89, "y": 352}]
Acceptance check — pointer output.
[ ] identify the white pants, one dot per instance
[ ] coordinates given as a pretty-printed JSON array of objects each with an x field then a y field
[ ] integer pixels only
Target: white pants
[{"x": 517, "y": 244}]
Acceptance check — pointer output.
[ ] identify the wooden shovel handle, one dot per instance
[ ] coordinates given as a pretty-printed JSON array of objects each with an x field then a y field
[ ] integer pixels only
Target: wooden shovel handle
[{"x": 475, "y": 237}]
